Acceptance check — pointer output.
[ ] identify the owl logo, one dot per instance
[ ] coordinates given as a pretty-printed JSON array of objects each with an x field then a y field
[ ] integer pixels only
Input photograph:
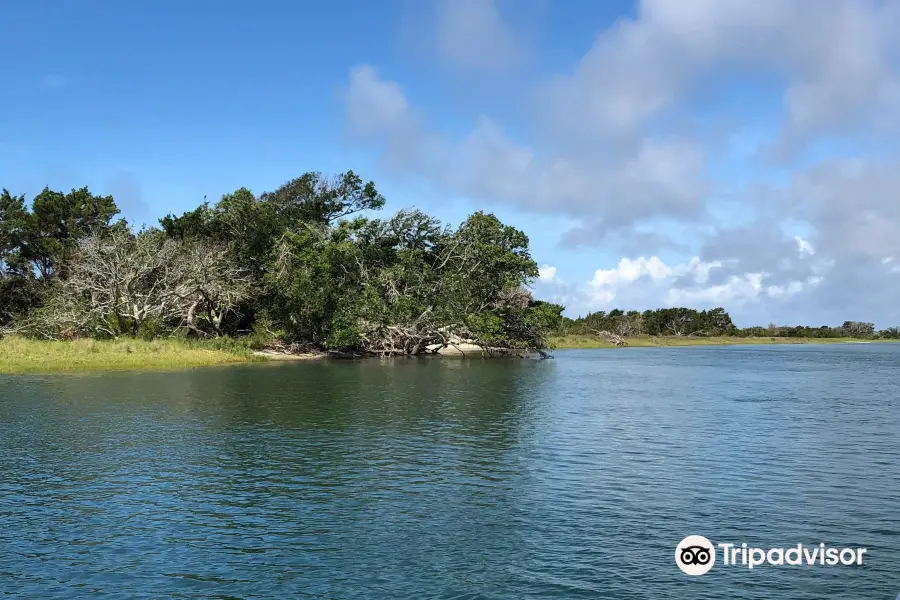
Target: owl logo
[{"x": 695, "y": 555}]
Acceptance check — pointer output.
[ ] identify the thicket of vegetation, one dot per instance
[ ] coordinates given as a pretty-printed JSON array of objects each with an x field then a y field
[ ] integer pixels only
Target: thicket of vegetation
[
  {"x": 302, "y": 264},
  {"x": 706, "y": 323},
  {"x": 663, "y": 321}
]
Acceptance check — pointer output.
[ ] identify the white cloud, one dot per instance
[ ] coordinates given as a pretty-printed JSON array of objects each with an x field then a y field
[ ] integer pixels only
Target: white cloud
[
  {"x": 736, "y": 290},
  {"x": 777, "y": 291},
  {"x": 804, "y": 247},
  {"x": 630, "y": 270},
  {"x": 641, "y": 283},
  {"x": 375, "y": 106},
  {"x": 625, "y": 143},
  {"x": 606, "y": 283},
  {"x": 852, "y": 204},
  {"x": 834, "y": 62},
  {"x": 606, "y": 156},
  {"x": 547, "y": 274},
  {"x": 659, "y": 176},
  {"x": 699, "y": 268}
]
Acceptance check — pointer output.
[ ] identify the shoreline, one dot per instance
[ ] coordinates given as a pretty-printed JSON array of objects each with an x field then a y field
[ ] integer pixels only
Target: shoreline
[
  {"x": 20, "y": 356},
  {"x": 574, "y": 342},
  {"x": 271, "y": 355},
  {"x": 25, "y": 356}
]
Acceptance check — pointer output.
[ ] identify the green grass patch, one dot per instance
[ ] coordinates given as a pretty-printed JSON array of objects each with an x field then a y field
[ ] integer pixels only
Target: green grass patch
[
  {"x": 647, "y": 341},
  {"x": 19, "y": 355}
]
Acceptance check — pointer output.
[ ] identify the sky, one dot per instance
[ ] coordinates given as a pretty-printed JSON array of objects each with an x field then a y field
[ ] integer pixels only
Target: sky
[{"x": 703, "y": 153}]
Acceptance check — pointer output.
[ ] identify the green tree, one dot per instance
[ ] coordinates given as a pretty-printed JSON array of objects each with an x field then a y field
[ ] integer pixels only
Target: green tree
[
  {"x": 56, "y": 224},
  {"x": 314, "y": 198},
  {"x": 18, "y": 289}
]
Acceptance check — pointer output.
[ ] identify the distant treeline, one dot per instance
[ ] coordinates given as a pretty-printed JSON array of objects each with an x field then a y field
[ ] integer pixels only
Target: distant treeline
[
  {"x": 301, "y": 265},
  {"x": 714, "y": 322}
]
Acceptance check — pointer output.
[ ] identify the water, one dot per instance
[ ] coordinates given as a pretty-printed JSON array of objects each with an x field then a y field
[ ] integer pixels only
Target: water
[{"x": 570, "y": 478}]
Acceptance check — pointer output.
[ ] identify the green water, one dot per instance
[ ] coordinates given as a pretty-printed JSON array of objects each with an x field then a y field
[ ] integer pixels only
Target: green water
[{"x": 567, "y": 478}]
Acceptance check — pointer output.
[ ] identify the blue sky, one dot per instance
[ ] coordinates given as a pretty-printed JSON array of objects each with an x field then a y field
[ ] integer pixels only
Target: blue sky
[{"x": 661, "y": 152}]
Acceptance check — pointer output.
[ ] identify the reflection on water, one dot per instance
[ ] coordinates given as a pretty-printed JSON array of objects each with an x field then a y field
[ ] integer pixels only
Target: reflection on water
[{"x": 570, "y": 478}]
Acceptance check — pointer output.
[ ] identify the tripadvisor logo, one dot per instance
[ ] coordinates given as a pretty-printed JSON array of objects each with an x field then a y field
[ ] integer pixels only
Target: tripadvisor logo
[{"x": 696, "y": 555}]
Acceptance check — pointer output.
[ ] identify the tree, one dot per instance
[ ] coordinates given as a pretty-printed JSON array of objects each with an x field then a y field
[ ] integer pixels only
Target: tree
[
  {"x": 210, "y": 288},
  {"x": 857, "y": 329},
  {"x": 314, "y": 198},
  {"x": 314, "y": 277},
  {"x": 18, "y": 291},
  {"x": 58, "y": 222},
  {"x": 119, "y": 282},
  {"x": 13, "y": 226},
  {"x": 718, "y": 322},
  {"x": 125, "y": 279}
]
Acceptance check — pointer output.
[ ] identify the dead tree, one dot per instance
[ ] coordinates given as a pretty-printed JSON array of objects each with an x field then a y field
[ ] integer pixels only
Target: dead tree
[
  {"x": 210, "y": 287},
  {"x": 612, "y": 338},
  {"x": 128, "y": 279}
]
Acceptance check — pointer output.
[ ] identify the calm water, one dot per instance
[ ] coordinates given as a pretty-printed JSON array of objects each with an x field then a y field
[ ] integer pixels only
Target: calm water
[{"x": 569, "y": 478}]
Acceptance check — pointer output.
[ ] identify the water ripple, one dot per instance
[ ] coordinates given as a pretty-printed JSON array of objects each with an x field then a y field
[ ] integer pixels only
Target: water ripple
[{"x": 463, "y": 480}]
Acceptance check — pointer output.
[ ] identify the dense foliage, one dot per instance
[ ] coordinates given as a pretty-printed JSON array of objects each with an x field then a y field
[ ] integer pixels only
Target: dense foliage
[
  {"x": 713, "y": 322},
  {"x": 300, "y": 264},
  {"x": 664, "y": 321}
]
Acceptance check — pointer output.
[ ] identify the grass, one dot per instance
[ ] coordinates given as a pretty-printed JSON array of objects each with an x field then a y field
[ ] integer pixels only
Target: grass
[
  {"x": 19, "y": 355},
  {"x": 588, "y": 341}
]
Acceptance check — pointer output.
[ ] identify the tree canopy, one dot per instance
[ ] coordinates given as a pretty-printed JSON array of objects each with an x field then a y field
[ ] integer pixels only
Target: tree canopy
[{"x": 308, "y": 262}]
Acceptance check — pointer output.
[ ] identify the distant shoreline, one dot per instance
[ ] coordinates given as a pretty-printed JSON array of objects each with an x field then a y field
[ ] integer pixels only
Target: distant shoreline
[{"x": 571, "y": 342}]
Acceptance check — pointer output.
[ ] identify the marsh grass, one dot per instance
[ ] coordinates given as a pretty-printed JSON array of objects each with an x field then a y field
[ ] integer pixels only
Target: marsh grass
[
  {"x": 19, "y": 355},
  {"x": 587, "y": 341}
]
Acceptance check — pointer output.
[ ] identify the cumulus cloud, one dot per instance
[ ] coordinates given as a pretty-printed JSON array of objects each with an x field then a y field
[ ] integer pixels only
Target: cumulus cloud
[
  {"x": 804, "y": 247},
  {"x": 629, "y": 271},
  {"x": 641, "y": 283},
  {"x": 375, "y": 106},
  {"x": 625, "y": 143},
  {"x": 660, "y": 177},
  {"x": 547, "y": 274},
  {"x": 853, "y": 206},
  {"x": 736, "y": 290},
  {"x": 794, "y": 287},
  {"x": 835, "y": 62},
  {"x": 607, "y": 283}
]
